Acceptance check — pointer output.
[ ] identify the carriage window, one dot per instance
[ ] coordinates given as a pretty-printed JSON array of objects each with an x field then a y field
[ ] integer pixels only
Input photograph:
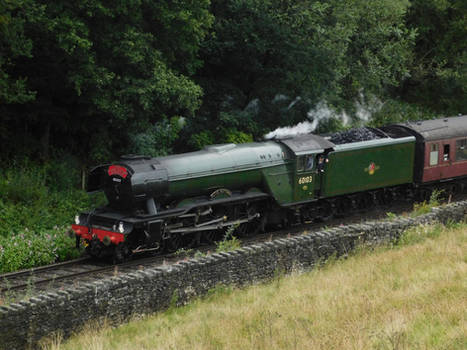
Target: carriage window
[
  {"x": 434, "y": 154},
  {"x": 461, "y": 149},
  {"x": 446, "y": 153}
]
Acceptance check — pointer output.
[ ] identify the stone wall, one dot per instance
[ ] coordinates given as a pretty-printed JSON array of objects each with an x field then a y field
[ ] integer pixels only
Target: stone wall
[{"x": 116, "y": 299}]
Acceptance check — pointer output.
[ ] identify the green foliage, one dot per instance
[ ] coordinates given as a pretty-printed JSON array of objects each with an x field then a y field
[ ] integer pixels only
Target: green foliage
[
  {"x": 38, "y": 203},
  {"x": 14, "y": 14},
  {"x": 98, "y": 69},
  {"x": 202, "y": 139},
  {"x": 273, "y": 54},
  {"x": 425, "y": 207},
  {"x": 98, "y": 79},
  {"x": 158, "y": 140},
  {"x": 396, "y": 111},
  {"x": 420, "y": 233},
  {"x": 438, "y": 76},
  {"x": 235, "y": 136},
  {"x": 32, "y": 197},
  {"x": 32, "y": 248},
  {"x": 199, "y": 254},
  {"x": 183, "y": 252},
  {"x": 229, "y": 242}
]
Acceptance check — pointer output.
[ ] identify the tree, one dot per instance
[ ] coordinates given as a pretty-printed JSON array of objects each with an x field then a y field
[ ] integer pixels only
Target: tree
[
  {"x": 439, "y": 72},
  {"x": 270, "y": 62},
  {"x": 100, "y": 70}
]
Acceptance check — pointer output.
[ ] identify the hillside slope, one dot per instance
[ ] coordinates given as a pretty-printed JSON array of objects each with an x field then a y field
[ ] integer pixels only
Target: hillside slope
[{"x": 411, "y": 296}]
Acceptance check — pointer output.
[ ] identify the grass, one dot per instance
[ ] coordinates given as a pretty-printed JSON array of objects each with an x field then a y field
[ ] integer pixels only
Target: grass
[{"x": 410, "y": 296}]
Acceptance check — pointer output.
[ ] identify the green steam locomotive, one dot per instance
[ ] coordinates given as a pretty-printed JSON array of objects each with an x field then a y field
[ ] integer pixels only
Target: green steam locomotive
[{"x": 166, "y": 203}]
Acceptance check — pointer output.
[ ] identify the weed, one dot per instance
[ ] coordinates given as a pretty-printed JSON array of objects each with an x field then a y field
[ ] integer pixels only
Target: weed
[
  {"x": 229, "y": 242},
  {"x": 391, "y": 216},
  {"x": 435, "y": 197},
  {"x": 425, "y": 207},
  {"x": 183, "y": 252},
  {"x": 173, "y": 301},
  {"x": 199, "y": 254}
]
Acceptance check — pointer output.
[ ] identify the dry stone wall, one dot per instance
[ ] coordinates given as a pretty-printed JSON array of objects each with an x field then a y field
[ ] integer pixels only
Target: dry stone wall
[{"x": 116, "y": 299}]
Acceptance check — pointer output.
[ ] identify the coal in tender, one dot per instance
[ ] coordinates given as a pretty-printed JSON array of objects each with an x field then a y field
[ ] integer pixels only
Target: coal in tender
[{"x": 353, "y": 135}]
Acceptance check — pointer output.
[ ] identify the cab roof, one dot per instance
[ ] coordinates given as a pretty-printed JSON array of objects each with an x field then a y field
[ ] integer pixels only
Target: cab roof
[{"x": 307, "y": 143}]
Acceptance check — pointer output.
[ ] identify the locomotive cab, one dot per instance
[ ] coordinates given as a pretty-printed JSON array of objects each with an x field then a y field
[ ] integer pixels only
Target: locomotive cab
[{"x": 311, "y": 161}]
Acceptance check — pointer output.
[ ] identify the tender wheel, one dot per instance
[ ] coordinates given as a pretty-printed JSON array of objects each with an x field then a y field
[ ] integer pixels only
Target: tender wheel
[
  {"x": 326, "y": 211},
  {"x": 343, "y": 206}
]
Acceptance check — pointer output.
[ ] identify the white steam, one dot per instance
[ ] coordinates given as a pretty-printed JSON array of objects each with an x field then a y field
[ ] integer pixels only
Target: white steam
[
  {"x": 322, "y": 112},
  {"x": 280, "y": 133},
  {"x": 367, "y": 106}
]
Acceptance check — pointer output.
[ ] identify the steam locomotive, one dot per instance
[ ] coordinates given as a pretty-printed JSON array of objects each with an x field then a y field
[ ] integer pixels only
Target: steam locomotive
[{"x": 166, "y": 203}]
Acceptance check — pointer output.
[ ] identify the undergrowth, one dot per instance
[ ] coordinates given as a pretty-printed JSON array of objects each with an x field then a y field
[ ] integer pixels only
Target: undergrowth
[{"x": 37, "y": 206}]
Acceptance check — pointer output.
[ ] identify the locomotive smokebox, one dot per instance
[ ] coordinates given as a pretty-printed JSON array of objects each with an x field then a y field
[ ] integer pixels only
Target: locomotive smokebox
[{"x": 131, "y": 181}]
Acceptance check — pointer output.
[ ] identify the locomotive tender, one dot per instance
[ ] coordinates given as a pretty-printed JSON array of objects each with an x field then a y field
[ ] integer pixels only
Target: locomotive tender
[{"x": 180, "y": 200}]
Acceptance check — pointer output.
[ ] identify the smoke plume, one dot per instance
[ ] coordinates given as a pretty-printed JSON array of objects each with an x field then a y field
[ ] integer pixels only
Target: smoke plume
[{"x": 365, "y": 107}]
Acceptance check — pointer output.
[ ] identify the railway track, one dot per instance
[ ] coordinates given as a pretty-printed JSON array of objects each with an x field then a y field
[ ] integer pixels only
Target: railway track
[
  {"x": 17, "y": 285},
  {"x": 43, "y": 275}
]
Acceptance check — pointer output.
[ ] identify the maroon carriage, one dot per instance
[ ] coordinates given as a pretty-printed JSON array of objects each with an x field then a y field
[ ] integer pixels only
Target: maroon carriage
[{"x": 441, "y": 148}]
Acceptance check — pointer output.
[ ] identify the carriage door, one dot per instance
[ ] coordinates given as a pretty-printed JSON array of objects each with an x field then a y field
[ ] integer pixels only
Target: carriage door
[{"x": 306, "y": 177}]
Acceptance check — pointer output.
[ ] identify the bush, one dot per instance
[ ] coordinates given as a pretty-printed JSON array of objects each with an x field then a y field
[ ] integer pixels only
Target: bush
[
  {"x": 200, "y": 140},
  {"x": 40, "y": 197},
  {"x": 23, "y": 182},
  {"x": 394, "y": 111},
  {"x": 232, "y": 135},
  {"x": 37, "y": 205},
  {"x": 29, "y": 249}
]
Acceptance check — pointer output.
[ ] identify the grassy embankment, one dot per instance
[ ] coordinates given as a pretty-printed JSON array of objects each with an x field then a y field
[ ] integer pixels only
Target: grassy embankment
[
  {"x": 37, "y": 207},
  {"x": 408, "y": 296}
]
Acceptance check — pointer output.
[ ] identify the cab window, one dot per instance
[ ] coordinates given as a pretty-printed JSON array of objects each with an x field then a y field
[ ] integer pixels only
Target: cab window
[{"x": 305, "y": 163}]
